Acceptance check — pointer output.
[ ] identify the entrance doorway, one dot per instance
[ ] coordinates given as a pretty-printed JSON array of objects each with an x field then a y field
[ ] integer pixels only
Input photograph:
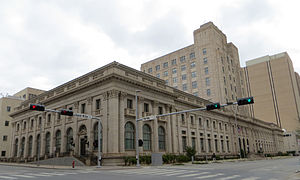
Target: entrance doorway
[{"x": 82, "y": 147}]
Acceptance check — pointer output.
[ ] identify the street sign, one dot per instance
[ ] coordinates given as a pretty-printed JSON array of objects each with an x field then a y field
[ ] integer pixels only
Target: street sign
[{"x": 84, "y": 116}]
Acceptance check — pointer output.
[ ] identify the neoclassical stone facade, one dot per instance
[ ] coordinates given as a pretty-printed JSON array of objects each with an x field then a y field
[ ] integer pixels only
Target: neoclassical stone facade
[{"x": 109, "y": 93}]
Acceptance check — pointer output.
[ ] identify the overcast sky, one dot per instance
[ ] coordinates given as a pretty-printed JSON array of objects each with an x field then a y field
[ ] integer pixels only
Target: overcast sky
[{"x": 45, "y": 43}]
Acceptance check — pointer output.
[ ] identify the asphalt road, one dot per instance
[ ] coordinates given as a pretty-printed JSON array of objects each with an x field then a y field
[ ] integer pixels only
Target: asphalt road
[{"x": 277, "y": 169}]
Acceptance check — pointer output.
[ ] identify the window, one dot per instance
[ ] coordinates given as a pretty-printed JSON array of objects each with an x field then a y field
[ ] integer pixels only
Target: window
[
  {"x": 224, "y": 80},
  {"x": 49, "y": 119},
  {"x": 70, "y": 142},
  {"x": 196, "y": 94},
  {"x": 6, "y": 123},
  {"x": 184, "y": 87},
  {"x": 208, "y": 93},
  {"x": 160, "y": 110},
  {"x": 24, "y": 125},
  {"x": 158, "y": 75},
  {"x": 206, "y": 70},
  {"x": 222, "y": 60},
  {"x": 175, "y": 80},
  {"x": 204, "y": 51},
  {"x": 226, "y": 92},
  {"x": 182, "y": 119},
  {"x": 147, "y": 137},
  {"x": 204, "y": 60},
  {"x": 202, "y": 144},
  {"x": 182, "y": 59},
  {"x": 16, "y": 147},
  {"x": 207, "y": 123},
  {"x": 194, "y": 84},
  {"x": 161, "y": 138},
  {"x": 223, "y": 69},
  {"x": 174, "y": 71},
  {"x": 22, "y": 147},
  {"x": 57, "y": 141},
  {"x": 216, "y": 145},
  {"x": 3, "y": 153},
  {"x": 47, "y": 145},
  {"x": 184, "y": 143},
  {"x": 98, "y": 104},
  {"x": 183, "y": 68},
  {"x": 40, "y": 122},
  {"x": 209, "y": 145},
  {"x": 165, "y": 65},
  {"x": 225, "y": 127},
  {"x": 207, "y": 81},
  {"x": 220, "y": 126},
  {"x": 129, "y": 104},
  {"x": 166, "y": 73},
  {"x": 31, "y": 123},
  {"x": 150, "y": 70},
  {"x": 192, "y": 120},
  {"x": 214, "y": 124},
  {"x": 83, "y": 108},
  {"x": 167, "y": 82},
  {"x": 192, "y": 55},
  {"x": 194, "y": 74},
  {"x": 227, "y": 142},
  {"x": 146, "y": 107},
  {"x": 4, "y": 138},
  {"x": 193, "y": 142},
  {"x": 174, "y": 62},
  {"x": 8, "y": 108},
  {"x": 183, "y": 77},
  {"x": 129, "y": 136},
  {"x": 193, "y": 64},
  {"x": 157, "y": 68},
  {"x": 200, "y": 122}
]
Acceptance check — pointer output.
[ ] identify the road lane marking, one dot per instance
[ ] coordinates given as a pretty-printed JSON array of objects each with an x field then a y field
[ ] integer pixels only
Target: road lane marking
[
  {"x": 196, "y": 174},
  {"x": 251, "y": 178},
  {"x": 210, "y": 176},
  {"x": 229, "y": 177},
  {"x": 7, "y": 177},
  {"x": 24, "y": 176}
]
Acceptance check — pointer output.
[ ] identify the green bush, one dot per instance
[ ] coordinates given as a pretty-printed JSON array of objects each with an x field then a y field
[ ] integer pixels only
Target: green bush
[
  {"x": 182, "y": 158},
  {"x": 190, "y": 152},
  {"x": 145, "y": 159},
  {"x": 169, "y": 158},
  {"x": 129, "y": 160}
]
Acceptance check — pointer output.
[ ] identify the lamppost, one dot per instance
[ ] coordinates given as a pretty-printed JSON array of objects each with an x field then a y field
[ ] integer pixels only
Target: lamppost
[{"x": 137, "y": 129}]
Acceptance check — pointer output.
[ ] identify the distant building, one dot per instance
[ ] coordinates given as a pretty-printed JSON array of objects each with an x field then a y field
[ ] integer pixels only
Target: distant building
[
  {"x": 209, "y": 68},
  {"x": 7, "y": 105},
  {"x": 109, "y": 93}
]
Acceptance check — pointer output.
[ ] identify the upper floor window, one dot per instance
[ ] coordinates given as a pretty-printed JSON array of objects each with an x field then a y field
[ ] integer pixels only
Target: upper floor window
[
  {"x": 150, "y": 70},
  {"x": 8, "y": 108},
  {"x": 6, "y": 123},
  {"x": 194, "y": 74},
  {"x": 158, "y": 75},
  {"x": 204, "y": 51},
  {"x": 205, "y": 60},
  {"x": 207, "y": 81},
  {"x": 160, "y": 110},
  {"x": 83, "y": 108},
  {"x": 175, "y": 80},
  {"x": 98, "y": 103},
  {"x": 167, "y": 82},
  {"x": 206, "y": 70},
  {"x": 165, "y": 64},
  {"x": 129, "y": 103},
  {"x": 174, "y": 70},
  {"x": 174, "y": 62},
  {"x": 192, "y": 55},
  {"x": 146, "y": 107},
  {"x": 193, "y": 64},
  {"x": 49, "y": 118},
  {"x": 166, "y": 73},
  {"x": 194, "y": 84},
  {"x": 183, "y": 68},
  {"x": 182, "y": 59},
  {"x": 184, "y": 87},
  {"x": 183, "y": 77},
  {"x": 157, "y": 68},
  {"x": 196, "y": 94},
  {"x": 208, "y": 93}
]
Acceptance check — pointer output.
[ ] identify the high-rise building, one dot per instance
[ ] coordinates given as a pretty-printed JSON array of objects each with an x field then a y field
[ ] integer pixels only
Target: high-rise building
[
  {"x": 209, "y": 68},
  {"x": 273, "y": 83}
]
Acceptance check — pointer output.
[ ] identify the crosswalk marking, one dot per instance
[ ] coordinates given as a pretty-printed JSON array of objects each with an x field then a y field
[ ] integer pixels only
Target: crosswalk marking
[
  {"x": 7, "y": 177},
  {"x": 195, "y": 174},
  {"x": 43, "y": 175},
  {"x": 21, "y": 175},
  {"x": 229, "y": 177},
  {"x": 210, "y": 176},
  {"x": 251, "y": 178}
]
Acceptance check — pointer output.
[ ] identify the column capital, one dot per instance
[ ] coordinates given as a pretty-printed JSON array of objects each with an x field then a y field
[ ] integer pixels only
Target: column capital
[
  {"x": 113, "y": 93},
  {"x": 123, "y": 95},
  {"x": 155, "y": 103},
  {"x": 141, "y": 98},
  {"x": 76, "y": 104},
  {"x": 89, "y": 100}
]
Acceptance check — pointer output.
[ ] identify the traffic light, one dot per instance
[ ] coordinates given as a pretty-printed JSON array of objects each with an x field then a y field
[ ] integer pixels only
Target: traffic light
[
  {"x": 37, "y": 107},
  {"x": 213, "y": 106},
  {"x": 244, "y": 101},
  {"x": 141, "y": 143},
  {"x": 66, "y": 112}
]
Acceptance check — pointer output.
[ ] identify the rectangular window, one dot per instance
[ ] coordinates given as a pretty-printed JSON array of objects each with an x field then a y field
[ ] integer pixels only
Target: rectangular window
[
  {"x": 174, "y": 62},
  {"x": 98, "y": 104},
  {"x": 200, "y": 122},
  {"x": 129, "y": 104},
  {"x": 223, "y": 69},
  {"x": 6, "y": 123},
  {"x": 209, "y": 145},
  {"x": 206, "y": 70},
  {"x": 157, "y": 68},
  {"x": 8, "y": 108},
  {"x": 158, "y": 75},
  {"x": 4, "y": 138},
  {"x": 207, "y": 81},
  {"x": 193, "y": 64},
  {"x": 174, "y": 71},
  {"x": 204, "y": 60},
  {"x": 83, "y": 108},
  {"x": 194, "y": 74},
  {"x": 220, "y": 126},
  {"x": 183, "y": 77},
  {"x": 175, "y": 80},
  {"x": 204, "y": 51},
  {"x": 146, "y": 107},
  {"x": 228, "y": 149},
  {"x": 207, "y": 123},
  {"x": 184, "y": 87},
  {"x": 150, "y": 70},
  {"x": 3, "y": 153},
  {"x": 222, "y": 145},
  {"x": 193, "y": 142},
  {"x": 194, "y": 84},
  {"x": 216, "y": 145},
  {"x": 166, "y": 64},
  {"x": 192, "y": 120},
  {"x": 166, "y": 73},
  {"x": 202, "y": 147},
  {"x": 224, "y": 80},
  {"x": 196, "y": 94},
  {"x": 192, "y": 55},
  {"x": 208, "y": 93},
  {"x": 167, "y": 82},
  {"x": 182, "y": 119},
  {"x": 183, "y": 68},
  {"x": 160, "y": 110},
  {"x": 184, "y": 143},
  {"x": 182, "y": 59}
]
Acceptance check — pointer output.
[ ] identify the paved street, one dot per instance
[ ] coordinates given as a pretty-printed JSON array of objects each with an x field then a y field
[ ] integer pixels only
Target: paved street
[{"x": 278, "y": 169}]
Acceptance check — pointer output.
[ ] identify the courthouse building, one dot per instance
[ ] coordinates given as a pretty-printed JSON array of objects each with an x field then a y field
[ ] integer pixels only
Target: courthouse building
[{"x": 109, "y": 93}]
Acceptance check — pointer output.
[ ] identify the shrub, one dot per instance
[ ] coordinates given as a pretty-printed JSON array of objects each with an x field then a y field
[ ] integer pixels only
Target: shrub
[
  {"x": 145, "y": 159},
  {"x": 129, "y": 160},
  {"x": 169, "y": 158},
  {"x": 182, "y": 158},
  {"x": 190, "y": 152}
]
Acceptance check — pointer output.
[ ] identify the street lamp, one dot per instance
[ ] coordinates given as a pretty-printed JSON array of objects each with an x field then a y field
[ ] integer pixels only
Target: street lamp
[{"x": 137, "y": 129}]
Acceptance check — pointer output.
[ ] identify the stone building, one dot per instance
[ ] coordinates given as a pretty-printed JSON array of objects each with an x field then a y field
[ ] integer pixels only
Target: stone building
[
  {"x": 209, "y": 68},
  {"x": 109, "y": 93}
]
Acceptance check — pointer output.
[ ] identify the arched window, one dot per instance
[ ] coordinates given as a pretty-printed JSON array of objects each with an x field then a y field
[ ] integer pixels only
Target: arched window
[
  {"x": 22, "y": 146},
  {"x": 16, "y": 147},
  {"x": 69, "y": 139},
  {"x": 129, "y": 136},
  {"x": 95, "y": 144},
  {"x": 161, "y": 138},
  {"x": 30, "y": 146},
  {"x": 57, "y": 141},
  {"x": 47, "y": 144},
  {"x": 38, "y": 144},
  {"x": 147, "y": 137}
]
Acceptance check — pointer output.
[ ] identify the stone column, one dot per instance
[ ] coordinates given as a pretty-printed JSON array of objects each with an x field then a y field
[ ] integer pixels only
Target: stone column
[
  {"x": 63, "y": 133},
  {"x": 198, "y": 148},
  {"x": 75, "y": 129},
  {"x": 34, "y": 139},
  {"x": 155, "y": 128},
  {"x": 188, "y": 132},
  {"x": 104, "y": 121},
  {"x": 140, "y": 114},
  {"x": 122, "y": 121},
  {"x": 89, "y": 124},
  {"x": 26, "y": 138},
  {"x": 52, "y": 135},
  {"x": 173, "y": 119},
  {"x": 169, "y": 148},
  {"x": 113, "y": 122},
  {"x": 179, "y": 139},
  {"x": 42, "y": 151}
]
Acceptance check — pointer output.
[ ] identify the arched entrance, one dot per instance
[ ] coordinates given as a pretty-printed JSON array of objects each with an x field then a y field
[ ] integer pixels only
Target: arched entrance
[{"x": 83, "y": 139}]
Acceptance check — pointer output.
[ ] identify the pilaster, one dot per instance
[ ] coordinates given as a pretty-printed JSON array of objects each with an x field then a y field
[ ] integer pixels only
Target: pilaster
[
  {"x": 155, "y": 128},
  {"x": 122, "y": 121}
]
